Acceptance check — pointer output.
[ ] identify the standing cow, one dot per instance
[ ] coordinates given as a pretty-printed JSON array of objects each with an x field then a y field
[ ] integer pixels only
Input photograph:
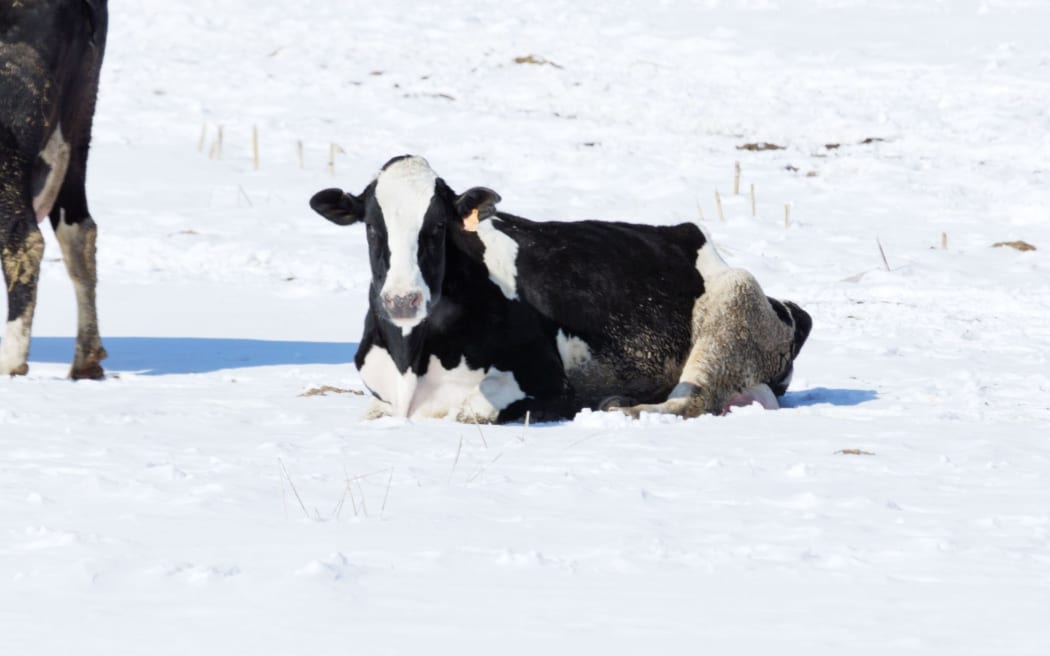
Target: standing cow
[
  {"x": 484, "y": 316},
  {"x": 50, "y": 55}
]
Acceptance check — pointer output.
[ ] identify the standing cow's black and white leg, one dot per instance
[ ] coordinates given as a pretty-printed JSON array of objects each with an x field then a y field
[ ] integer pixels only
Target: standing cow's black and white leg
[
  {"x": 50, "y": 56},
  {"x": 76, "y": 232},
  {"x": 21, "y": 248}
]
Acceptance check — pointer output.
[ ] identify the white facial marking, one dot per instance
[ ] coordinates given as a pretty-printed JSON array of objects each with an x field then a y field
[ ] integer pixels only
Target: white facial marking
[
  {"x": 15, "y": 347},
  {"x": 501, "y": 254},
  {"x": 380, "y": 374},
  {"x": 574, "y": 351},
  {"x": 403, "y": 192},
  {"x": 56, "y": 155},
  {"x": 708, "y": 261}
]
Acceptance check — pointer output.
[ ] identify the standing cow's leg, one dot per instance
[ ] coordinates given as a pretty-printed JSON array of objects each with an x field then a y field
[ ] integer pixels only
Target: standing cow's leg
[
  {"x": 76, "y": 231},
  {"x": 21, "y": 248}
]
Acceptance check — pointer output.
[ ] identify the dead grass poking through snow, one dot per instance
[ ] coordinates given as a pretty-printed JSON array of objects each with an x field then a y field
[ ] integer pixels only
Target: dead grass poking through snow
[
  {"x": 326, "y": 389},
  {"x": 854, "y": 452},
  {"x": 1019, "y": 245},
  {"x": 536, "y": 61}
]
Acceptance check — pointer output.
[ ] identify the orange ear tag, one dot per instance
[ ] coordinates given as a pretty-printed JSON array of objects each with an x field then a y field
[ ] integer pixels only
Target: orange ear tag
[{"x": 470, "y": 222}]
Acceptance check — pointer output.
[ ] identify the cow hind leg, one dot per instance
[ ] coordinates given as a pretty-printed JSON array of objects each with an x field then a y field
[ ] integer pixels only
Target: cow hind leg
[
  {"x": 21, "y": 249},
  {"x": 740, "y": 343},
  {"x": 76, "y": 232},
  {"x": 78, "y": 249}
]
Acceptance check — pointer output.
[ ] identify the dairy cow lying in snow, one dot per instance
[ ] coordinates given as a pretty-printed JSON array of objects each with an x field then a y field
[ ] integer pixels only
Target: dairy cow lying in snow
[
  {"x": 50, "y": 54},
  {"x": 484, "y": 316}
]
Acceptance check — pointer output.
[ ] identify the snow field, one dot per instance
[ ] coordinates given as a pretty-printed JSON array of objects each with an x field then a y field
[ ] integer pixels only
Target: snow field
[{"x": 155, "y": 511}]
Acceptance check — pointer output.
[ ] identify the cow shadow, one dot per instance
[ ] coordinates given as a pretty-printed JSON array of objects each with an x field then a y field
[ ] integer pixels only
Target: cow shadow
[
  {"x": 159, "y": 356},
  {"x": 827, "y": 396}
]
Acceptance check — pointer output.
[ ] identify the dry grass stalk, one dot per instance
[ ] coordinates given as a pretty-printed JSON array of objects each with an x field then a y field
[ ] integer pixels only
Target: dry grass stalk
[
  {"x": 455, "y": 462},
  {"x": 484, "y": 468},
  {"x": 854, "y": 452},
  {"x": 537, "y": 61},
  {"x": 759, "y": 146},
  {"x": 1018, "y": 245},
  {"x": 753, "y": 208},
  {"x": 204, "y": 134},
  {"x": 255, "y": 148},
  {"x": 885, "y": 262},
  {"x": 787, "y": 214},
  {"x": 333, "y": 149},
  {"x": 736, "y": 178},
  {"x": 246, "y": 197},
  {"x": 350, "y": 490},
  {"x": 387, "y": 493},
  {"x": 718, "y": 204},
  {"x": 294, "y": 491},
  {"x": 944, "y": 241},
  {"x": 299, "y": 150},
  {"x": 326, "y": 389}
]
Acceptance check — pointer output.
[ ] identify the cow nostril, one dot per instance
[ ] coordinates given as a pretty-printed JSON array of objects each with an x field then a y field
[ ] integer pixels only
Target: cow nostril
[{"x": 403, "y": 306}]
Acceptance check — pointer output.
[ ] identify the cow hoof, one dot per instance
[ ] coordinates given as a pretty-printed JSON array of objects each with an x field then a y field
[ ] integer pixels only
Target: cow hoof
[
  {"x": 91, "y": 371},
  {"x": 20, "y": 370},
  {"x": 613, "y": 403}
]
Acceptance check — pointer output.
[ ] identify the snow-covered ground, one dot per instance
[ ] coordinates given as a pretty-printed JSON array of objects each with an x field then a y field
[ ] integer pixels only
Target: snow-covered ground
[{"x": 196, "y": 502}]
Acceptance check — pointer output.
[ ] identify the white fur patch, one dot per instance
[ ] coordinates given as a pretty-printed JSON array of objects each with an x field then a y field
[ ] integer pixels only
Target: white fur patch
[
  {"x": 14, "y": 347},
  {"x": 380, "y": 374},
  {"x": 708, "y": 260},
  {"x": 403, "y": 192},
  {"x": 573, "y": 350},
  {"x": 441, "y": 390},
  {"x": 501, "y": 254},
  {"x": 462, "y": 393},
  {"x": 56, "y": 155},
  {"x": 497, "y": 391}
]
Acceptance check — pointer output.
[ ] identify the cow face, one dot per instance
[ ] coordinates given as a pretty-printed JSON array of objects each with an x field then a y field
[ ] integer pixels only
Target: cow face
[{"x": 407, "y": 212}]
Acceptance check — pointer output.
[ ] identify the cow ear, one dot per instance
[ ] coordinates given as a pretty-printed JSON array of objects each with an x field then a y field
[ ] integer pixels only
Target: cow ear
[
  {"x": 480, "y": 199},
  {"x": 338, "y": 206}
]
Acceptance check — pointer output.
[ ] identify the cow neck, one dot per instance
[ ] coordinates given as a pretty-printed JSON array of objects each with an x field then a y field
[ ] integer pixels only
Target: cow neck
[{"x": 465, "y": 270}]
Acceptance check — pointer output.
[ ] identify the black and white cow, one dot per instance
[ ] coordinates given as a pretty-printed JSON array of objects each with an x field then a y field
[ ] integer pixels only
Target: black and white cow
[
  {"x": 50, "y": 55},
  {"x": 484, "y": 316}
]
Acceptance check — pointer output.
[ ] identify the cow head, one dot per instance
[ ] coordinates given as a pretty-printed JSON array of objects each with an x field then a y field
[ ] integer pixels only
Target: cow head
[
  {"x": 801, "y": 324},
  {"x": 407, "y": 211}
]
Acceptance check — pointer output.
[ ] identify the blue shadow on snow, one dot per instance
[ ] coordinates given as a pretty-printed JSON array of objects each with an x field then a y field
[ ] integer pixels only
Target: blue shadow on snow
[
  {"x": 158, "y": 356},
  {"x": 826, "y": 396}
]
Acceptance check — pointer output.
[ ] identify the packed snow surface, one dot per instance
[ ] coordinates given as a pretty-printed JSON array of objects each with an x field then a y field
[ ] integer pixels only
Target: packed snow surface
[{"x": 197, "y": 502}]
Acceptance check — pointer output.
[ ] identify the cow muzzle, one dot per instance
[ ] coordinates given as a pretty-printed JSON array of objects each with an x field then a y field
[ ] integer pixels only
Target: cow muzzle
[{"x": 405, "y": 307}]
